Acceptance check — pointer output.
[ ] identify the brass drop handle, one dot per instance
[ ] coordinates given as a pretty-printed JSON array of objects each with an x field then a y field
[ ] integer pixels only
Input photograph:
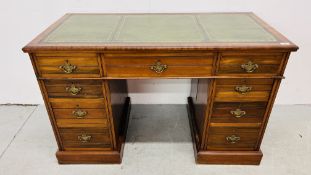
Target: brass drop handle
[
  {"x": 67, "y": 67},
  {"x": 238, "y": 113},
  {"x": 249, "y": 67},
  {"x": 243, "y": 89},
  {"x": 84, "y": 138},
  {"x": 79, "y": 113},
  {"x": 233, "y": 139},
  {"x": 73, "y": 90},
  {"x": 158, "y": 67}
]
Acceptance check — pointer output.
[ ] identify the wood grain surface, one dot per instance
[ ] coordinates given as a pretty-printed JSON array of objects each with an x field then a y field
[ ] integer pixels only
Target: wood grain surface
[{"x": 100, "y": 70}]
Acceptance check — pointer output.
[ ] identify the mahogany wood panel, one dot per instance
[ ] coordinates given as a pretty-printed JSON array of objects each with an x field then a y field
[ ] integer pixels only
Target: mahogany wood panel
[
  {"x": 88, "y": 157},
  {"x": 200, "y": 96},
  {"x": 117, "y": 97},
  {"x": 230, "y": 157}
]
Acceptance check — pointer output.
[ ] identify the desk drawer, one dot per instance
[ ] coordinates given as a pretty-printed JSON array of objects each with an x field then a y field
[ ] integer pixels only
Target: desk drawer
[
  {"x": 249, "y": 112},
  {"x": 64, "y": 103},
  {"x": 243, "y": 90},
  {"x": 73, "y": 113},
  {"x": 81, "y": 117},
  {"x": 83, "y": 113},
  {"x": 158, "y": 64},
  {"x": 250, "y": 63},
  {"x": 85, "y": 138},
  {"x": 232, "y": 138},
  {"x": 67, "y": 65},
  {"x": 74, "y": 88}
]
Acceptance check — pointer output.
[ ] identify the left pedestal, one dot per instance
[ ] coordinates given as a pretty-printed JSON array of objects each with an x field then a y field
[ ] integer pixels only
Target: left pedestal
[
  {"x": 88, "y": 114},
  {"x": 105, "y": 156},
  {"x": 92, "y": 156}
]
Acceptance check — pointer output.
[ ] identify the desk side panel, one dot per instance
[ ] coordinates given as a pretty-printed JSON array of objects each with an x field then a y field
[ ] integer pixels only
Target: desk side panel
[
  {"x": 200, "y": 97},
  {"x": 118, "y": 94}
]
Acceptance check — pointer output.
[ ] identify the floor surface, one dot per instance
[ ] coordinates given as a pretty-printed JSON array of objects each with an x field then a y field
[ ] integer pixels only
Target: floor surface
[{"x": 158, "y": 142}]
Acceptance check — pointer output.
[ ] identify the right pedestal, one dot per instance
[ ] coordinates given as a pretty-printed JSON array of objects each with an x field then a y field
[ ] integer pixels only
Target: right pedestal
[{"x": 228, "y": 118}]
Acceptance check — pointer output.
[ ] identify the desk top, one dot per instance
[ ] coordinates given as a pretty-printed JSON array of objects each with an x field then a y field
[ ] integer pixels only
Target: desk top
[{"x": 200, "y": 30}]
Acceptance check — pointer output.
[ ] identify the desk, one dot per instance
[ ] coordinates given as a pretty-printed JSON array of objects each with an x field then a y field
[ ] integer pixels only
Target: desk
[{"x": 235, "y": 60}]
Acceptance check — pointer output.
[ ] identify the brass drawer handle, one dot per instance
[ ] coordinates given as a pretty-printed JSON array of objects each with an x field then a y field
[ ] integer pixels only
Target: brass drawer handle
[
  {"x": 73, "y": 89},
  {"x": 238, "y": 113},
  {"x": 158, "y": 67},
  {"x": 84, "y": 138},
  {"x": 249, "y": 67},
  {"x": 233, "y": 139},
  {"x": 79, "y": 113},
  {"x": 67, "y": 67},
  {"x": 243, "y": 89}
]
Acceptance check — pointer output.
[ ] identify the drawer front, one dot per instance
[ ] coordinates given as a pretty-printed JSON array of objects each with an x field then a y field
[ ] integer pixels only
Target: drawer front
[
  {"x": 85, "y": 138},
  {"x": 79, "y": 112},
  {"x": 243, "y": 90},
  {"x": 67, "y": 65},
  {"x": 158, "y": 64},
  {"x": 232, "y": 138},
  {"x": 249, "y": 112},
  {"x": 250, "y": 63},
  {"x": 77, "y": 123},
  {"x": 74, "y": 88},
  {"x": 80, "y": 117},
  {"x": 64, "y": 103}
]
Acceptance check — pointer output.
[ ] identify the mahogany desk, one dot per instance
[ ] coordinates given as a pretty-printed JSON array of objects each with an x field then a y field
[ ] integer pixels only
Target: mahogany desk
[{"x": 235, "y": 60}]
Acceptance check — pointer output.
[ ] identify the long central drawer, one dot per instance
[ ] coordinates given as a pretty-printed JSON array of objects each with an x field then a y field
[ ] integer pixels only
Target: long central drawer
[{"x": 164, "y": 64}]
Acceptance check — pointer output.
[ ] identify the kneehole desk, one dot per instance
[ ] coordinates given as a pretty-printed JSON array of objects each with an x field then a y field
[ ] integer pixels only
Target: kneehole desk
[{"x": 235, "y": 60}]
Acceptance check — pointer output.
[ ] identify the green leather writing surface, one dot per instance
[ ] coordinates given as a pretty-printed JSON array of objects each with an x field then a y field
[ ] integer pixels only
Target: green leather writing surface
[
  {"x": 159, "y": 28},
  {"x": 85, "y": 28},
  {"x": 233, "y": 28}
]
